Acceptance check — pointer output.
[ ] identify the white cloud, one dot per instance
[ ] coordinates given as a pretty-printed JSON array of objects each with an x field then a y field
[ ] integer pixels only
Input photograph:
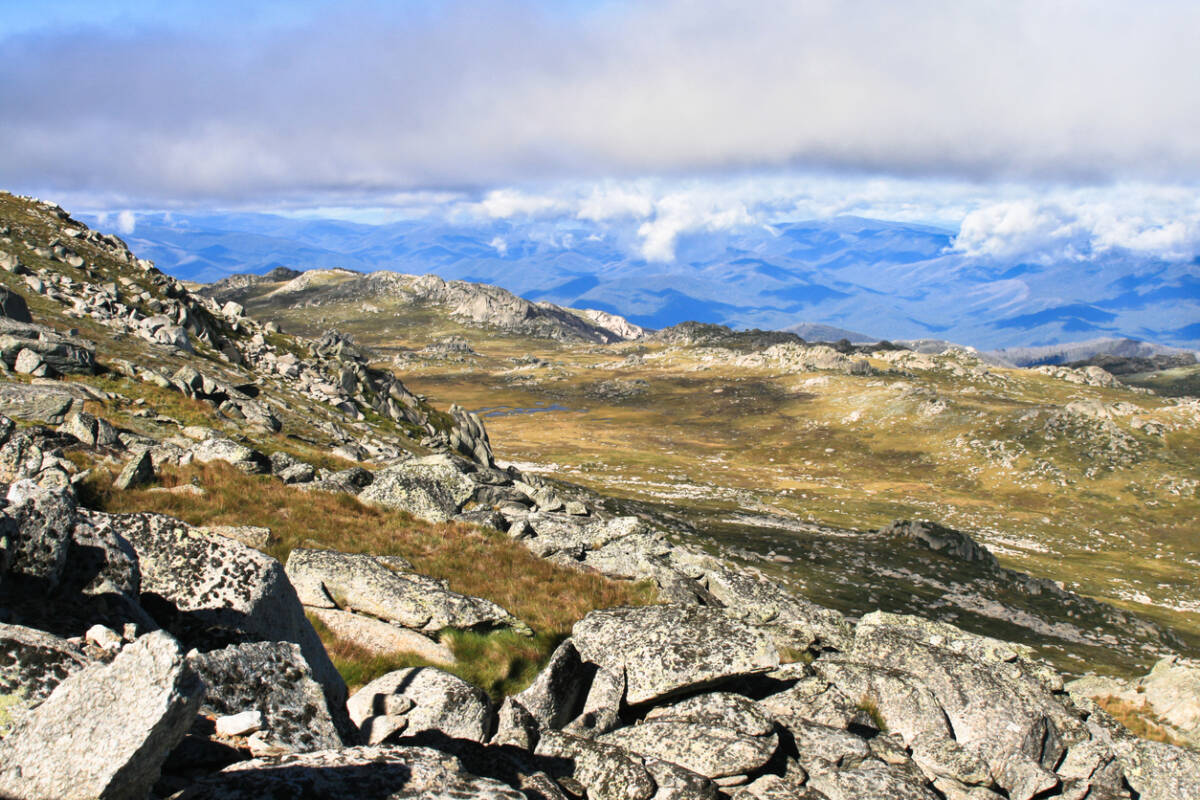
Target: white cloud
[
  {"x": 535, "y": 91},
  {"x": 500, "y": 245},
  {"x": 682, "y": 212},
  {"x": 1073, "y": 228},
  {"x": 126, "y": 221},
  {"x": 506, "y": 203},
  {"x": 615, "y": 202}
]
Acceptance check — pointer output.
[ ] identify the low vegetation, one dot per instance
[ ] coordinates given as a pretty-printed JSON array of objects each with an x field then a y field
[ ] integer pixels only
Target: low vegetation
[
  {"x": 1138, "y": 719},
  {"x": 474, "y": 561}
]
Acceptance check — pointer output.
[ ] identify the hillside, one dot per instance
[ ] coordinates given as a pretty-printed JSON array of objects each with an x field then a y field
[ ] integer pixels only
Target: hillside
[{"x": 467, "y": 545}]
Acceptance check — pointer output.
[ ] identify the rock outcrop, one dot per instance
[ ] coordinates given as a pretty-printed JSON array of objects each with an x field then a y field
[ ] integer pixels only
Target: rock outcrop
[{"x": 105, "y": 731}]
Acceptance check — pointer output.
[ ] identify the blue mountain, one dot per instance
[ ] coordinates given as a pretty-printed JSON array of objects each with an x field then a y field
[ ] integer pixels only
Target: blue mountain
[{"x": 889, "y": 279}]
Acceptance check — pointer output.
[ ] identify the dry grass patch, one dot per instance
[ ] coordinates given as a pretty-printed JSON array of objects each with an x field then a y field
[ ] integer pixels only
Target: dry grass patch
[
  {"x": 474, "y": 561},
  {"x": 1138, "y": 718}
]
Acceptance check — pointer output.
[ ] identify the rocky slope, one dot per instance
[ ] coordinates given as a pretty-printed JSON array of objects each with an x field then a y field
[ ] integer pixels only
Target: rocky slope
[
  {"x": 473, "y": 303},
  {"x": 143, "y": 657}
]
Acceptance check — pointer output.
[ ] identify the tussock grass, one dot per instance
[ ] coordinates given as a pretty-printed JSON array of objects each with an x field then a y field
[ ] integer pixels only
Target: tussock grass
[{"x": 474, "y": 561}]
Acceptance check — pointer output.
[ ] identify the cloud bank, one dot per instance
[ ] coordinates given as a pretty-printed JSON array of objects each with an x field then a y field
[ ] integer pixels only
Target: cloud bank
[{"x": 352, "y": 100}]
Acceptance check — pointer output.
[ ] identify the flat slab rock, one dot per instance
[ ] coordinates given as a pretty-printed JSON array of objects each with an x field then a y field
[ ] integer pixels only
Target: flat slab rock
[
  {"x": 709, "y": 750},
  {"x": 663, "y": 650},
  {"x": 364, "y": 773},
  {"x": 379, "y": 637},
  {"x": 365, "y": 583}
]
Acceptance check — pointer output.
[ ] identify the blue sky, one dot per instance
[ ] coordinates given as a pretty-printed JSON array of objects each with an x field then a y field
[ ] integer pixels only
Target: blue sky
[{"x": 1036, "y": 129}]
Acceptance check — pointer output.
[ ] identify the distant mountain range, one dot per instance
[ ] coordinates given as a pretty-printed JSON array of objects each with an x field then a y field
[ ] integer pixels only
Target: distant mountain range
[
  {"x": 1082, "y": 351},
  {"x": 893, "y": 280}
]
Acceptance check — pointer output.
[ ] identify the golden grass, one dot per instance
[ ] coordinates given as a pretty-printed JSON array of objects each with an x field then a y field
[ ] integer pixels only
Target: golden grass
[
  {"x": 474, "y": 561},
  {"x": 1138, "y": 718}
]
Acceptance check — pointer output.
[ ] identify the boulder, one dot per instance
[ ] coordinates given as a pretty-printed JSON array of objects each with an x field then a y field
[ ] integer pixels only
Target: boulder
[
  {"x": 421, "y": 699},
  {"x": 105, "y": 731},
  {"x": 138, "y": 471},
  {"x": 32, "y": 664},
  {"x": 434, "y": 491},
  {"x": 605, "y": 772},
  {"x": 371, "y": 773},
  {"x": 91, "y": 431},
  {"x": 236, "y": 455},
  {"x": 554, "y": 697},
  {"x": 29, "y": 362},
  {"x": 1172, "y": 689},
  {"x": 665, "y": 650},
  {"x": 871, "y": 778},
  {"x": 273, "y": 680},
  {"x": 211, "y": 592},
  {"x": 12, "y": 305},
  {"x": 721, "y": 709},
  {"x": 361, "y": 582},
  {"x": 40, "y": 533},
  {"x": 255, "y": 536}
]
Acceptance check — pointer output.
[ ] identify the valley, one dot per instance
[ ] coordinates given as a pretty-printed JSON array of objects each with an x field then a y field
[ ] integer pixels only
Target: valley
[{"x": 794, "y": 456}]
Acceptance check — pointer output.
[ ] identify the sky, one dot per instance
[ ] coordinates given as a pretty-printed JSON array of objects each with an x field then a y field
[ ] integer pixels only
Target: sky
[{"x": 1043, "y": 129}]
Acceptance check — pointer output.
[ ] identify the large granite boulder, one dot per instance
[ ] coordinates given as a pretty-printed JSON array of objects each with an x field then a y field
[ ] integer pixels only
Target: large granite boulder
[
  {"x": 665, "y": 650},
  {"x": 40, "y": 532},
  {"x": 239, "y": 456},
  {"x": 419, "y": 700},
  {"x": 105, "y": 731},
  {"x": 211, "y": 591},
  {"x": 368, "y": 584},
  {"x": 432, "y": 489},
  {"x": 32, "y": 664},
  {"x": 273, "y": 679}
]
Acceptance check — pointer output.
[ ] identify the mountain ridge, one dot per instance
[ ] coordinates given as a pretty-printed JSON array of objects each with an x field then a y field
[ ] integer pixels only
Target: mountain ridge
[{"x": 899, "y": 280}]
